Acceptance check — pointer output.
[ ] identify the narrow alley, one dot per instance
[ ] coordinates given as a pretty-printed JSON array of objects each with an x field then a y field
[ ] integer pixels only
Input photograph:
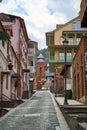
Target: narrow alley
[{"x": 37, "y": 113}]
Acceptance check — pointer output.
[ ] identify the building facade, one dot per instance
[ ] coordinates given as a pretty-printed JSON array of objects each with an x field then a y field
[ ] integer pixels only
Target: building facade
[
  {"x": 32, "y": 50},
  {"x": 79, "y": 66},
  {"x": 80, "y": 61},
  {"x": 16, "y": 30},
  {"x": 83, "y": 13},
  {"x": 70, "y": 31},
  {"x": 4, "y": 72},
  {"x": 8, "y": 90}
]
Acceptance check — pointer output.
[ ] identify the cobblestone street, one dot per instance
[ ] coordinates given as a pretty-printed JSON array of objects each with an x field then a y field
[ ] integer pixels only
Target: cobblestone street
[{"x": 38, "y": 113}]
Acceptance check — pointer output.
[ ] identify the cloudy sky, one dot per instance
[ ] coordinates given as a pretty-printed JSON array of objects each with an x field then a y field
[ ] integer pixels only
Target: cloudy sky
[{"x": 41, "y": 16}]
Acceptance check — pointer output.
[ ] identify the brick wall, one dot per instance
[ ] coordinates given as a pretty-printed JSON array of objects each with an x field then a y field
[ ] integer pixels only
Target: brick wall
[
  {"x": 59, "y": 81},
  {"x": 41, "y": 69},
  {"x": 79, "y": 71}
]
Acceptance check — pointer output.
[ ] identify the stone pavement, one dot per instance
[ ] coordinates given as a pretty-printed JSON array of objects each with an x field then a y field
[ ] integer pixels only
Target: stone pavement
[
  {"x": 60, "y": 101},
  {"x": 61, "y": 119},
  {"x": 75, "y": 113},
  {"x": 38, "y": 113}
]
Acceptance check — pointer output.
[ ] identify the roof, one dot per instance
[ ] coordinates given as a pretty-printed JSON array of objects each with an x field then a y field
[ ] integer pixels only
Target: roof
[
  {"x": 32, "y": 44},
  {"x": 9, "y": 18},
  {"x": 40, "y": 60},
  {"x": 40, "y": 56},
  {"x": 51, "y": 32},
  {"x": 61, "y": 26}
]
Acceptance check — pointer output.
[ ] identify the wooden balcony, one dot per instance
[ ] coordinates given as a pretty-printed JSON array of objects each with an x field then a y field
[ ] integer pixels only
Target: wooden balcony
[
  {"x": 73, "y": 33},
  {"x": 83, "y": 13},
  {"x": 59, "y": 59},
  {"x": 70, "y": 46}
]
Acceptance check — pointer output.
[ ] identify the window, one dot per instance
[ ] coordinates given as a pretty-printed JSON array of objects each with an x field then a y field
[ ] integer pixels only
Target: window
[
  {"x": 7, "y": 82},
  {"x": 61, "y": 56},
  {"x": 61, "y": 40},
  {"x": 69, "y": 55},
  {"x": 50, "y": 38},
  {"x": 77, "y": 26},
  {"x": 40, "y": 70},
  {"x": 78, "y": 40},
  {"x": 70, "y": 41},
  {"x": 30, "y": 63}
]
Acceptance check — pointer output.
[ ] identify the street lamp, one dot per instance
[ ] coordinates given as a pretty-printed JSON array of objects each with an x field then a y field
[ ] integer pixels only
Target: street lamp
[
  {"x": 65, "y": 42},
  {"x": 10, "y": 66}
]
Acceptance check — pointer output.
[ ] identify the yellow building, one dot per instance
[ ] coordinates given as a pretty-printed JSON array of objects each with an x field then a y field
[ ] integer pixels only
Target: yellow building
[{"x": 70, "y": 31}]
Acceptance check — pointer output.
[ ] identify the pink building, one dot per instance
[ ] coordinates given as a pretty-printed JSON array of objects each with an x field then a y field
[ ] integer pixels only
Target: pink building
[{"x": 16, "y": 30}]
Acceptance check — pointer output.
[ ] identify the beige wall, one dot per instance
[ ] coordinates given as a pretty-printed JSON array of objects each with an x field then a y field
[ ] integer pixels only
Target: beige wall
[{"x": 58, "y": 33}]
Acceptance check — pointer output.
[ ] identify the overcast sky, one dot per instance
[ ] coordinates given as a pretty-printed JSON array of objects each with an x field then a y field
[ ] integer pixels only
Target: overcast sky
[{"x": 41, "y": 16}]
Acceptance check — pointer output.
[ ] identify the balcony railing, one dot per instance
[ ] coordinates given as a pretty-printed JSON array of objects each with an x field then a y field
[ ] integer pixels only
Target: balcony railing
[{"x": 59, "y": 59}]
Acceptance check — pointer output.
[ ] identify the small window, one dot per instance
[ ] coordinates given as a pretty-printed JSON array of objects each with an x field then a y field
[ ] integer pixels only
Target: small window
[
  {"x": 7, "y": 82},
  {"x": 61, "y": 56},
  {"x": 69, "y": 56},
  {"x": 40, "y": 70},
  {"x": 70, "y": 41},
  {"x": 61, "y": 40},
  {"x": 30, "y": 63},
  {"x": 78, "y": 40},
  {"x": 77, "y": 26}
]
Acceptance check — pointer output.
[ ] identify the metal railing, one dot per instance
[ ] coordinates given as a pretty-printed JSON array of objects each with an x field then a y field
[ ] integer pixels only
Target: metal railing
[{"x": 60, "y": 59}]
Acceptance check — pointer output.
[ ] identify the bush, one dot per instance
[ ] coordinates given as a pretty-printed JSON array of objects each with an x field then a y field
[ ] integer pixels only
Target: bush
[{"x": 69, "y": 94}]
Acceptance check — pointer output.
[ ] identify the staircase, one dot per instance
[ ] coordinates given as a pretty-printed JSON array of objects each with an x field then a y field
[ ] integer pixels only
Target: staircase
[{"x": 76, "y": 116}]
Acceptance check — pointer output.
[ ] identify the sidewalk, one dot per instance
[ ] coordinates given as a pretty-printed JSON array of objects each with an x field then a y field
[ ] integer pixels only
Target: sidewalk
[
  {"x": 61, "y": 119},
  {"x": 60, "y": 101},
  {"x": 74, "y": 113}
]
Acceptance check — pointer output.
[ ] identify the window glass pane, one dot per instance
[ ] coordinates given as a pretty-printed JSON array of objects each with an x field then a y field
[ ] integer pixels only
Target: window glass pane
[
  {"x": 61, "y": 40},
  {"x": 78, "y": 40},
  {"x": 77, "y": 26},
  {"x": 69, "y": 55},
  {"x": 61, "y": 55},
  {"x": 70, "y": 41}
]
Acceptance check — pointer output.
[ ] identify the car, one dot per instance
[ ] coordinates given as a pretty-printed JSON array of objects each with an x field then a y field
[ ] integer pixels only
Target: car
[{"x": 44, "y": 88}]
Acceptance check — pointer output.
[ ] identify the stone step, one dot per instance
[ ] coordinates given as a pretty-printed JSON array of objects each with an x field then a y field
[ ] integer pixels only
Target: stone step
[
  {"x": 82, "y": 126},
  {"x": 10, "y": 104}
]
